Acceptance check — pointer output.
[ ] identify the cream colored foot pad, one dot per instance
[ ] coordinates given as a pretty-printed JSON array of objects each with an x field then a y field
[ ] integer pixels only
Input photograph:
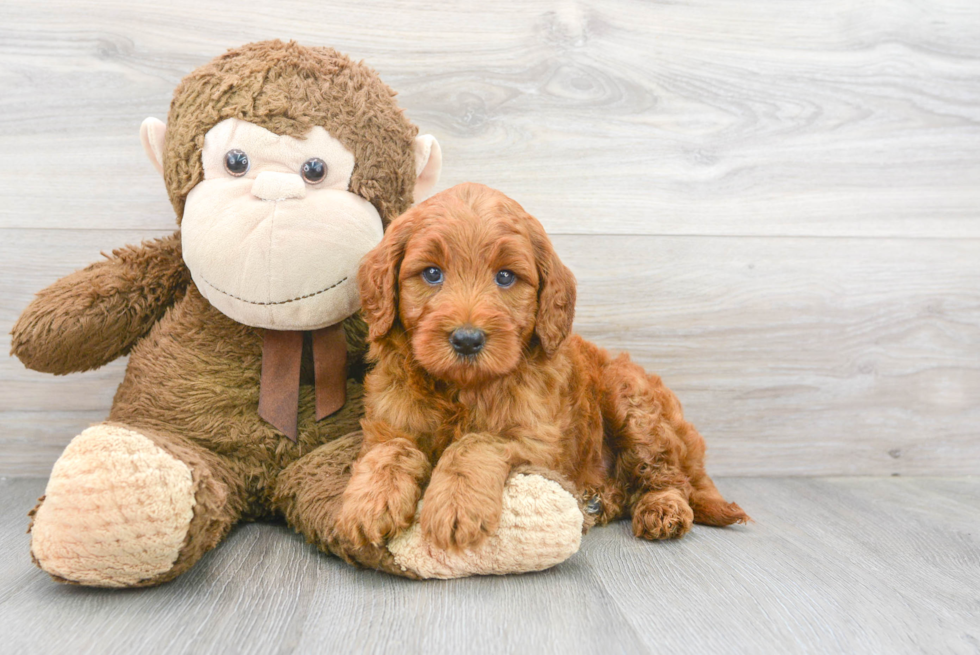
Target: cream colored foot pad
[
  {"x": 116, "y": 511},
  {"x": 541, "y": 526}
]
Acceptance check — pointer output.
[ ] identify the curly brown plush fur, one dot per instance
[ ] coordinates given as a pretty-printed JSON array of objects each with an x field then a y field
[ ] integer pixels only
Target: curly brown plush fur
[
  {"x": 287, "y": 89},
  {"x": 102, "y": 310},
  {"x": 529, "y": 395},
  {"x": 192, "y": 383}
]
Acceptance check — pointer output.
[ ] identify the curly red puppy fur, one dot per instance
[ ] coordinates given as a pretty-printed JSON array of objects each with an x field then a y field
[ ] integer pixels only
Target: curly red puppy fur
[{"x": 470, "y": 312}]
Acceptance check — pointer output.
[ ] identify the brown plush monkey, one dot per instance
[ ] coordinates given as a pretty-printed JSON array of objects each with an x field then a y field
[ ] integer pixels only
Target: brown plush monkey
[{"x": 242, "y": 396}]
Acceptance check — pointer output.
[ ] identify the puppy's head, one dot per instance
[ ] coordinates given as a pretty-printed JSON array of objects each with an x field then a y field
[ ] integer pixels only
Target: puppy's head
[{"x": 472, "y": 280}]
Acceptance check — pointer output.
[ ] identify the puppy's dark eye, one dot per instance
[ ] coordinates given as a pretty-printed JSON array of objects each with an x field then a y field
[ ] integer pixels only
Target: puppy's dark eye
[
  {"x": 505, "y": 278},
  {"x": 314, "y": 170},
  {"x": 432, "y": 275},
  {"x": 236, "y": 163}
]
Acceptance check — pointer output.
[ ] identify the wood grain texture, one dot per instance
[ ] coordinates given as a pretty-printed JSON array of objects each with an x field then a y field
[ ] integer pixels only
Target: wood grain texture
[
  {"x": 757, "y": 117},
  {"x": 845, "y": 565},
  {"x": 791, "y": 357},
  {"x": 774, "y": 205}
]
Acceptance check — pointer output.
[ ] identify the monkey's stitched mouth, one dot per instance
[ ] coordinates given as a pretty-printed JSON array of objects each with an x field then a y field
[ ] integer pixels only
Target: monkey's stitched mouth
[{"x": 277, "y": 302}]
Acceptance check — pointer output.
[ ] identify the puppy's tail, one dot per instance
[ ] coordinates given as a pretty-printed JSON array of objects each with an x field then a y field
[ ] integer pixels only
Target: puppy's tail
[{"x": 710, "y": 508}]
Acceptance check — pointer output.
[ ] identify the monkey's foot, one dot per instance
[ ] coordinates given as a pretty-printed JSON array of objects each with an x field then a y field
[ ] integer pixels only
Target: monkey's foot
[
  {"x": 116, "y": 510},
  {"x": 541, "y": 526}
]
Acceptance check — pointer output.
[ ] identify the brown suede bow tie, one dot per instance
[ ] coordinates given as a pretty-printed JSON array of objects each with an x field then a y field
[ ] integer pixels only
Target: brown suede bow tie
[{"x": 282, "y": 357}]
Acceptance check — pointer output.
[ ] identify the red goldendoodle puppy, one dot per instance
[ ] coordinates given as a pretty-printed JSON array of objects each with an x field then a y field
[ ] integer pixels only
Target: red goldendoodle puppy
[{"x": 470, "y": 310}]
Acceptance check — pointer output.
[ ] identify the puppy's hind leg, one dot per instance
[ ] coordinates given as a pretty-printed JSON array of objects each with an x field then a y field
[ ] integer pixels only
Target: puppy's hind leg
[
  {"x": 710, "y": 507},
  {"x": 659, "y": 456}
]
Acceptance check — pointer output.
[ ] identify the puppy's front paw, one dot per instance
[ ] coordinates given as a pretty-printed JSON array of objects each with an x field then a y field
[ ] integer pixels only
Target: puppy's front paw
[
  {"x": 375, "y": 517},
  {"x": 662, "y": 515},
  {"x": 458, "y": 519},
  {"x": 457, "y": 526}
]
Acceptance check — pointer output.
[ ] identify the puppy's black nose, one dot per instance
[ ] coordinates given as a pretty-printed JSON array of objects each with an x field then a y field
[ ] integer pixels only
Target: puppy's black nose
[{"x": 467, "y": 340}]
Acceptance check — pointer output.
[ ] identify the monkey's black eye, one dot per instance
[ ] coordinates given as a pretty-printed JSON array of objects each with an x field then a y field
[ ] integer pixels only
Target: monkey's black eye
[
  {"x": 505, "y": 278},
  {"x": 432, "y": 275},
  {"x": 314, "y": 170},
  {"x": 236, "y": 163}
]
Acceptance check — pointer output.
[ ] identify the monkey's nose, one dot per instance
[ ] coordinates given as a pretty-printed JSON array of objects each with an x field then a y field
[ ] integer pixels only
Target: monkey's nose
[
  {"x": 467, "y": 340},
  {"x": 270, "y": 185}
]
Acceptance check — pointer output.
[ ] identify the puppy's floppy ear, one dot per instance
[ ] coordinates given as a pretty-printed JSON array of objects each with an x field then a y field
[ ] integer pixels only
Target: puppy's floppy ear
[
  {"x": 377, "y": 278},
  {"x": 556, "y": 293}
]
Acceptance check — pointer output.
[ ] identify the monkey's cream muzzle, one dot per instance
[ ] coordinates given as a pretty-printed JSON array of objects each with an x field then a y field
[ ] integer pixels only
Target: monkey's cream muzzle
[{"x": 265, "y": 247}]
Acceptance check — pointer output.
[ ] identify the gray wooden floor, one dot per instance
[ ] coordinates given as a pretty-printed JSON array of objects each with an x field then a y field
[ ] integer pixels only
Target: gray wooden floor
[{"x": 830, "y": 565}]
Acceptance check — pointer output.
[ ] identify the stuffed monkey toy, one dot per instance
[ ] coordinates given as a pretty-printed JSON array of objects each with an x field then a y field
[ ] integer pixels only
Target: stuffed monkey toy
[{"x": 242, "y": 395}]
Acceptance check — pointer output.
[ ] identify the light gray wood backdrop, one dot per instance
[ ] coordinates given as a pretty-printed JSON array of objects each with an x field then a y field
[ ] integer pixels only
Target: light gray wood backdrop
[{"x": 773, "y": 204}]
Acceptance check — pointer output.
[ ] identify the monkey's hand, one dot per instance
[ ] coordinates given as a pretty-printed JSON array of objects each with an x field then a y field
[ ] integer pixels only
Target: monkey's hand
[{"x": 89, "y": 318}]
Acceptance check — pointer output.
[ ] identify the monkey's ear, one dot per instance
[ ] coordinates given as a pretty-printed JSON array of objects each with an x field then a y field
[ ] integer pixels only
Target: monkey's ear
[
  {"x": 428, "y": 165},
  {"x": 152, "y": 133}
]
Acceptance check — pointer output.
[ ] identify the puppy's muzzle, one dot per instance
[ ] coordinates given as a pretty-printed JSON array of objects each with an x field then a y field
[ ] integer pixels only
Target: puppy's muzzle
[{"x": 467, "y": 341}]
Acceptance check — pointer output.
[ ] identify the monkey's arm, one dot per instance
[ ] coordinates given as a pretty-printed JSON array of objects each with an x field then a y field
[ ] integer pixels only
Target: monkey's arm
[{"x": 89, "y": 318}]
